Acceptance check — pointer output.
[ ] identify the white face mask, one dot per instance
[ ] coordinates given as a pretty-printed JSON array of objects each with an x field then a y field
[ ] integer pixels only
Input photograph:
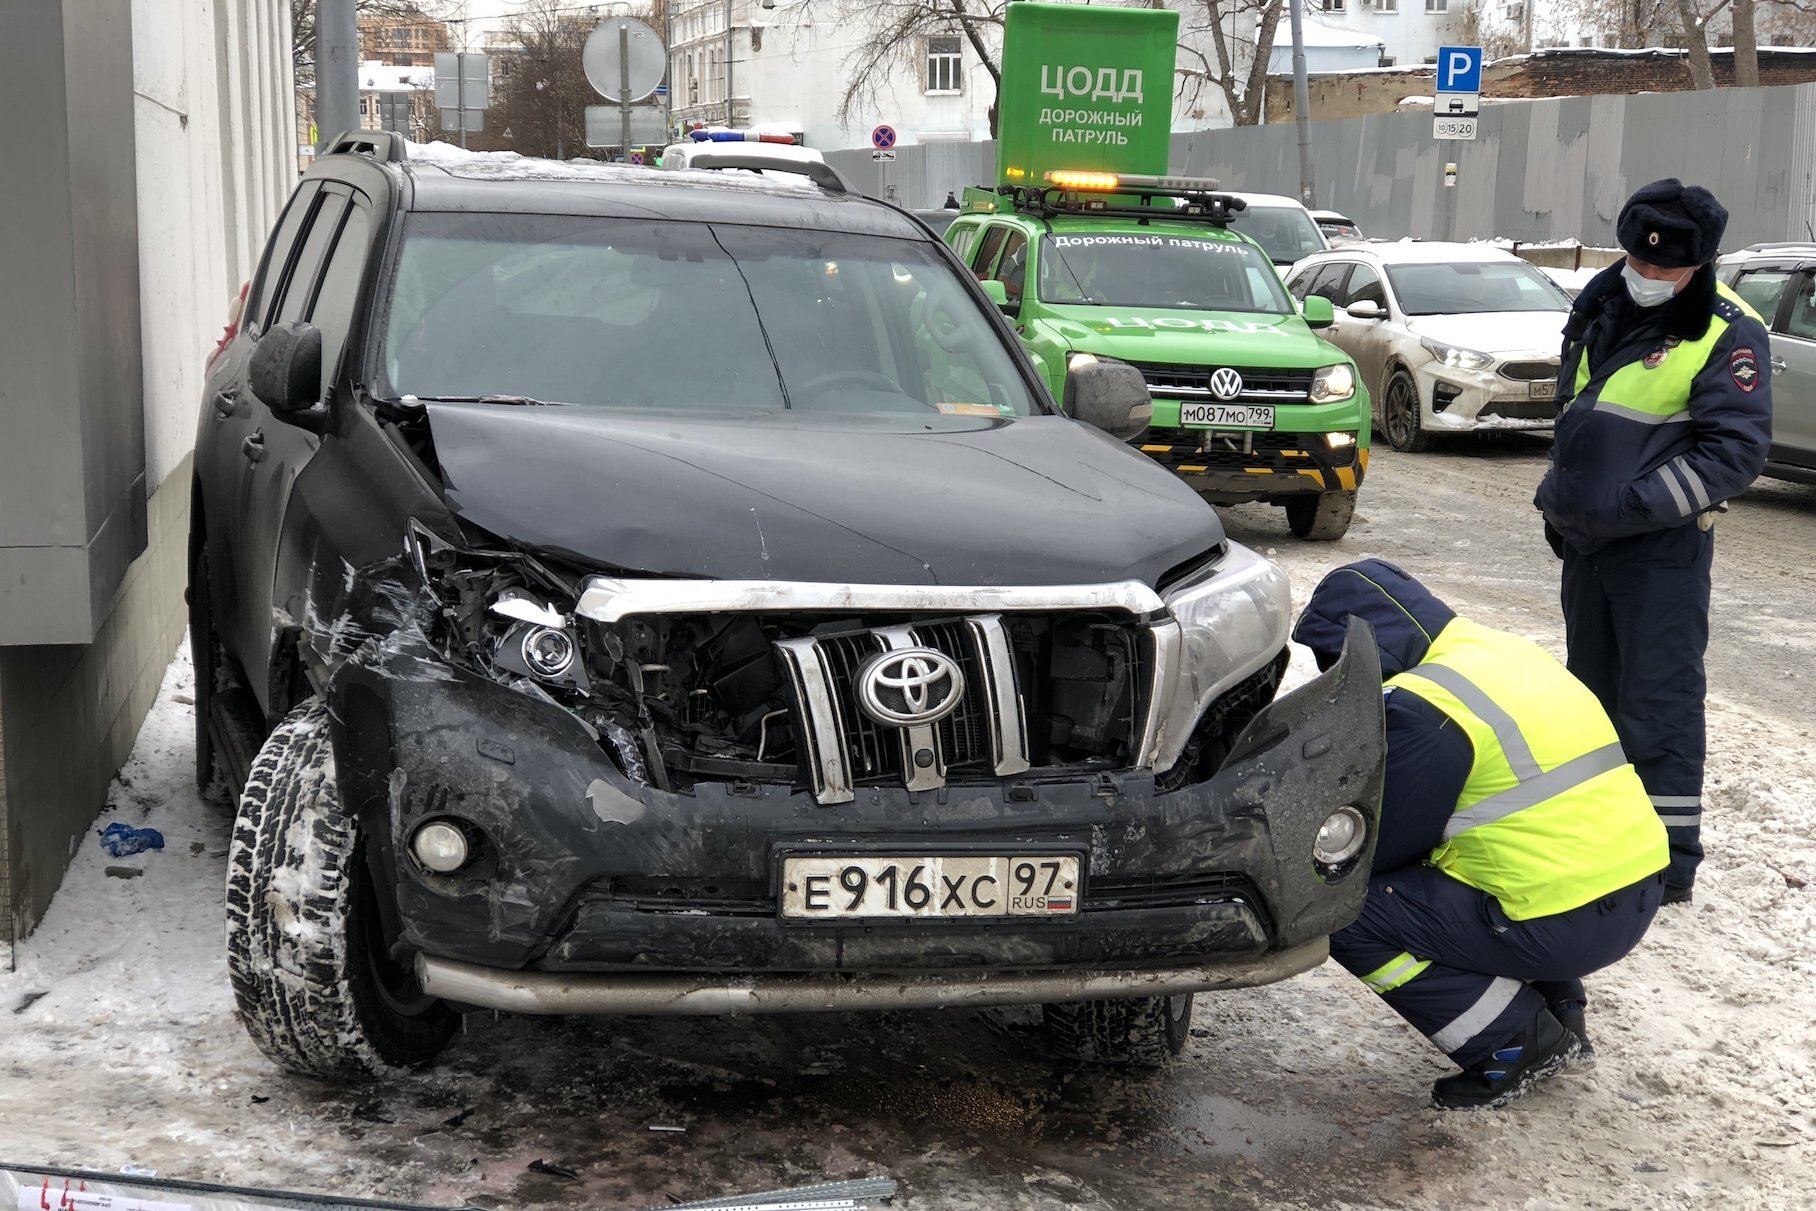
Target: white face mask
[{"x": 1649, "y": 292}]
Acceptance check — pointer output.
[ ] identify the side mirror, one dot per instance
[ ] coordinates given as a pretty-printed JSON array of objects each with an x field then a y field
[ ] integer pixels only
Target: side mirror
[
  {"x": 999, "y": 294},
  {"x": 1366, "y": 310},
  {"x": 286, "y": 373},
  {"x": 1317, "y": 311},
  {"x": 1112, "y": 396}
]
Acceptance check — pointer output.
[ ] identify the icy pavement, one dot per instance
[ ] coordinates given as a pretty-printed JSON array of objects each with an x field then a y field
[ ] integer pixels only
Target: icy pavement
[{"x": 118, "y": 1044}]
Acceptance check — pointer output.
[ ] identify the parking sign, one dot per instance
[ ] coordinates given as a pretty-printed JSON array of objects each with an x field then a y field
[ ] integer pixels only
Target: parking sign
[{"x": 1459, "y": 69}]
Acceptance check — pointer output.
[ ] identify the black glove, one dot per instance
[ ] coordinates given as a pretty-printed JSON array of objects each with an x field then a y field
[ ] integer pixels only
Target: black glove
[{"x": 1555, "y": 539}]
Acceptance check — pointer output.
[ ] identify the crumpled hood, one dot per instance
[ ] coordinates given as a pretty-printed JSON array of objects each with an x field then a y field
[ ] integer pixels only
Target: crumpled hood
[
  {"x": 1193, "y": 338},
  {"x": 1496, "y": 332},
  {"x": 1035, "y": 501},
  {"x": 1405, "y": 615}
]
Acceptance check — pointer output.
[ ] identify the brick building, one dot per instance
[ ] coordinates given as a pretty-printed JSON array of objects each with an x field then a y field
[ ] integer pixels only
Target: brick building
[
  {"x": 409, "y": 40},
  {"x": 1561, "y": 72}
]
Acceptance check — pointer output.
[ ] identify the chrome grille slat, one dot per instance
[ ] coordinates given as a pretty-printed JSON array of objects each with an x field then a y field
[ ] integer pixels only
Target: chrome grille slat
[
  {"x": 921, "y": 738},
  {"x": 823, "y": 737}
]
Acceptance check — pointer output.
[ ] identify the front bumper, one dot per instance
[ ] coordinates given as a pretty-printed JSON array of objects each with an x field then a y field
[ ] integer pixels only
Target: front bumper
[
  {"x": 1274, "y": 464},
  {"x": 591, "y": 893},
  {"x": 1465, "y": 401}
]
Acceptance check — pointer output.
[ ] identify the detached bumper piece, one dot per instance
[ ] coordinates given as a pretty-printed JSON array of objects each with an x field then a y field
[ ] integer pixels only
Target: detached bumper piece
[
  {"x": 1253, "y": 465},
  {"x": 635, "y": 993}
]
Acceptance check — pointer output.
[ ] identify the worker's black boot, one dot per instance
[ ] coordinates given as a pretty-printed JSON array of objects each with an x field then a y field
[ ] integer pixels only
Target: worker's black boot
[
  {"x": 1568, "y": 1003},
  {"x": 1541, "y": 1049}
]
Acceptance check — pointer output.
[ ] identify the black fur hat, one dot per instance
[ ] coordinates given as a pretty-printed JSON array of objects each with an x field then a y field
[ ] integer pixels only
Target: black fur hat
[{"x": 1672, "y": 225}]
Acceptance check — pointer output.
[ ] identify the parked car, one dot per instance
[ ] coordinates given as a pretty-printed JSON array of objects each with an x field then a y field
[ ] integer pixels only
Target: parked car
[
  {"x": 1249, "y": 405},
  {"x": 1338, "y": 229},
  {"x": 631, "y": 592},
  {"x": 1281, "y": 225},
  {"x": 937, "y": 219},
  {"x": 1779, "y": 282},
  {"x": 1449, "y": 338}
]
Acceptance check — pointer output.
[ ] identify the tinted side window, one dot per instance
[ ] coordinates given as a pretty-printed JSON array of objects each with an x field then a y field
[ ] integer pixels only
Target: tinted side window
[
  {"x": 279, "y": 252},
  {"x": 334, "y": 302},
  {"x": 986, "y": 252},
  {"x": 1329, "y": 282},
  {"x": 299, "y": 286},
  {"x": 1801, "y": 322},
  {"x": 1364, "y": 287},
  {"x": 1762, "y": 289}
]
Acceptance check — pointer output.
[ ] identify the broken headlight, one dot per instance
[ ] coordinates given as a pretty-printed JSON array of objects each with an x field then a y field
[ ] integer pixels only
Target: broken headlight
[
  {"x": 1233, "y": 619},
  {"x": 504, "y": 611}
]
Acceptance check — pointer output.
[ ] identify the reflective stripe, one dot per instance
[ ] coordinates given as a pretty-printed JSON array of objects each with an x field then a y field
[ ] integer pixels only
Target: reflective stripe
[
  {"x": 1395, "y": 972},
  {"x": 1512, "y": 740},
  {"x": 1679, "y": 821},
  {"x": 1677, "y": 492},
  {"x": 1644, "y": 418},
  {"x": 1479, "y": 1016},
  {"x": 1537, "y": 789},
  {"x": 1676, "y": 800},
  {"x": 1694, "y": 480}
]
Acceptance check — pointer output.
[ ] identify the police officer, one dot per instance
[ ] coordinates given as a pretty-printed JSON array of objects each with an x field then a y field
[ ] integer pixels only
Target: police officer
[
  {"x": 951, "y": 202},
  {"x": 1668, "y": 414},
  {"x": 1517, "y": 852}
]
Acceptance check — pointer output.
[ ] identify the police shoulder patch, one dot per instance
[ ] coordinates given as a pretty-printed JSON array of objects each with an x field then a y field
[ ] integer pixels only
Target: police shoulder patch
[{"x": 1743, "y": 367}]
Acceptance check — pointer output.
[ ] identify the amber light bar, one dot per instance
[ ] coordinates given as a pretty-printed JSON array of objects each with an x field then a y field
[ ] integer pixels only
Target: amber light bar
[{"x": 1109, "y": 182}]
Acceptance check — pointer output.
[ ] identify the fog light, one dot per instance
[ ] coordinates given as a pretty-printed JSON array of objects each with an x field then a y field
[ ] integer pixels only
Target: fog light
[
  {"x": 1339, "y": 441},
  {"x": 547, "y": 652},
  {"x": 1340, "y": 837},
  {"x": 440, "y": 847}
]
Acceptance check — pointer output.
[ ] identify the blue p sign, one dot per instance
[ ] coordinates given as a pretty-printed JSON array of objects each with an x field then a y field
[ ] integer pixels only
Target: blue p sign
[{"x": 1459, "y": 69}]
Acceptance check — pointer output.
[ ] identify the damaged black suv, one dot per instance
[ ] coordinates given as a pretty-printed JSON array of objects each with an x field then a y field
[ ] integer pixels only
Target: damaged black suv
[{"x": 622, "y": 592}]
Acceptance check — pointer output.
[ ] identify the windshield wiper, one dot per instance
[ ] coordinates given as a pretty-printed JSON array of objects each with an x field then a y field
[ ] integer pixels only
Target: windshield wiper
[{"x": 523, "y": 400}]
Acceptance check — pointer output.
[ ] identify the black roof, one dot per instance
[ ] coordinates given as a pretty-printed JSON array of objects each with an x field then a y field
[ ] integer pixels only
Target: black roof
[{"x": 549, "y": 187}]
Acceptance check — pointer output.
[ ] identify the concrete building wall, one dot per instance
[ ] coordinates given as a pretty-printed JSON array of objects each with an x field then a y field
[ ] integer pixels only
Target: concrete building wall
[{"x": 140, "y": 219}]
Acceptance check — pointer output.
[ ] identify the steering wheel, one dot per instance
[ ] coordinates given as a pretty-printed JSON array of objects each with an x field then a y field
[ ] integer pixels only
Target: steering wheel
[{"x": 869, "y": 380}]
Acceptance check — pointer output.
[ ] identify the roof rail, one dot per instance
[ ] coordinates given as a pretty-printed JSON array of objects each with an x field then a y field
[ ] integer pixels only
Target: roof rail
[
  {"x": 384, "y": 146},
  {"x": 824, "y": 175}
]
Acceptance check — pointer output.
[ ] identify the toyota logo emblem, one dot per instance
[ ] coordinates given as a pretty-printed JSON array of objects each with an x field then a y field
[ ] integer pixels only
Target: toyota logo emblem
[
  {"x": 1226, "y": 384},
  {"x": 910, "y": 687}
]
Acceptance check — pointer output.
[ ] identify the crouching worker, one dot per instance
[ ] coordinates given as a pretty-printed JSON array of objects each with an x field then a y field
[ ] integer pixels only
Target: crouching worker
[{"x": 1518, "y": 849}]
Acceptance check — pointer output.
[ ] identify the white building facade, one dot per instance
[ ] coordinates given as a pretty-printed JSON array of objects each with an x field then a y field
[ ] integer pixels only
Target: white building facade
[{"x": 1411, "y": 31}]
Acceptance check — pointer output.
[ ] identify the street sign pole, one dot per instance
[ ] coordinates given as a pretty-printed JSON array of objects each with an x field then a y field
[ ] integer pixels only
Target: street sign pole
[
  {"x": 1302, "y": 105},
  {"x": 624, "y": 88}
]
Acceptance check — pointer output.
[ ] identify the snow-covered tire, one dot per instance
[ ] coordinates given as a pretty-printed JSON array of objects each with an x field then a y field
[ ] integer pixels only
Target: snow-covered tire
[
  {"x": 312, "y": 978},
  {"x": 1323, "y": 517},
  {"x": 1139, "y": 1031}
]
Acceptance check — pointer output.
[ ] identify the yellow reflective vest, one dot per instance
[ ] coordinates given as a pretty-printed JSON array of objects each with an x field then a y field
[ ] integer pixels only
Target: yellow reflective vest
[{"x": 1551, "y": 816}]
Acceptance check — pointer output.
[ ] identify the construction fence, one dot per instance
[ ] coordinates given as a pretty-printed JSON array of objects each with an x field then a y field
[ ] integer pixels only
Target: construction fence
[{"x": 1538, "y": 172}]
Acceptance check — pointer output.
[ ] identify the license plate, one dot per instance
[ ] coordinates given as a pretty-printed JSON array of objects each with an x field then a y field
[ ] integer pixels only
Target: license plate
[
  {"x": 1227, "y": 416},
  {"x": 838, "y": 887},
  {"x": 1544, "y": 390}
]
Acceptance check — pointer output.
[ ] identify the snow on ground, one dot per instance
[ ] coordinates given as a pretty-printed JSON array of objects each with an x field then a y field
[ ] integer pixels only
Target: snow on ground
[{"x": 118, "y": 1043}]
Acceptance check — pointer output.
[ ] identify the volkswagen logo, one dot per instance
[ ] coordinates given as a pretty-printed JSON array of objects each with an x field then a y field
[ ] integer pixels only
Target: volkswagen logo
[
  {"x": 909, "y": 687},
  {"x": 1226, "y": 384}
]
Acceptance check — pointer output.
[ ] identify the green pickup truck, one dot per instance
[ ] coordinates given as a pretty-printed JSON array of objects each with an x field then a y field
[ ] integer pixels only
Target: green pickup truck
[{"x": 1249, "y": 404}]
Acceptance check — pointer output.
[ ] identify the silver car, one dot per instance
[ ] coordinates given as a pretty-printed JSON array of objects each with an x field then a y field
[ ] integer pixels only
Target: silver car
[{"x": 1779, "y": 282}]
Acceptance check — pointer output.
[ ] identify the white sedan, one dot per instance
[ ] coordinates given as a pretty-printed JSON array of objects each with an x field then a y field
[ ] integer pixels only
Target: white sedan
[{"x": 1449, "y": 338}]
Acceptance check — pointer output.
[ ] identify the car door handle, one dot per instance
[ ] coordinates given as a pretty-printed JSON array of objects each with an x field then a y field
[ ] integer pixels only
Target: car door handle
[
  {"x": 226, "y": 403},
  {"x": 254, "y": 447},
  {"x": 1777, "y": 365}
]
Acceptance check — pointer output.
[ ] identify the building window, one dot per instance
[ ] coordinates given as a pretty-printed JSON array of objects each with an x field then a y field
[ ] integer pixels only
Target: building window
[
  {"x": 1334, "y": 6},
  {"x": 944, "y": 61},
  {"x": 1437, "y": 6},
  {"x": 1387, "y": 6}
]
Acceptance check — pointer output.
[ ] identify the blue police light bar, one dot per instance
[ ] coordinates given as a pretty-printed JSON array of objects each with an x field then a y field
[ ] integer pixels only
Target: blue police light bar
[{"x": 738, "y": 136}]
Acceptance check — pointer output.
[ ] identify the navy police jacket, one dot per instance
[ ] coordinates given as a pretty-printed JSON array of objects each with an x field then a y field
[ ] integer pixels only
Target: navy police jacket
[{"x": 1667, "y": 413}]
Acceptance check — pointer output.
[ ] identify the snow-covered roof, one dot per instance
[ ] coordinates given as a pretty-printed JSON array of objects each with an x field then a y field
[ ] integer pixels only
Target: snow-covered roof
[
  {"x": 1316, "y": 33},
  {"x": 389, "y": 78}
]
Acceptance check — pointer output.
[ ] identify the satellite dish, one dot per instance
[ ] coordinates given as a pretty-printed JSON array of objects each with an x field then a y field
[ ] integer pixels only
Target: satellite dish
[{"x": 644, "y": 53}]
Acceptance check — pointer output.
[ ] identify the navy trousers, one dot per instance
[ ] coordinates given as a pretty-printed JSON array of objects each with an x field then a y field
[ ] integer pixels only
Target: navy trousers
[
  {"x": 1636, "y": 621},
  {"x": 1447, "y": 959}
]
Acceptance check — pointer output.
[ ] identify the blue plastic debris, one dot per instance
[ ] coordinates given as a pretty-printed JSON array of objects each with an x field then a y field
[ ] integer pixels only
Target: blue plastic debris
[{"x": 123, "y": 840}]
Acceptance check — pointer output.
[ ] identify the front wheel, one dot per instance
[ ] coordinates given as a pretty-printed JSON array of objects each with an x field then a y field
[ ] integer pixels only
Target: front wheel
[
  {"x": 1400, "y": 415},
  {"x": 1321, "y": 518},
  {"x": 313, "y": 978},
  {"x": 1139, "y": 1031}
]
